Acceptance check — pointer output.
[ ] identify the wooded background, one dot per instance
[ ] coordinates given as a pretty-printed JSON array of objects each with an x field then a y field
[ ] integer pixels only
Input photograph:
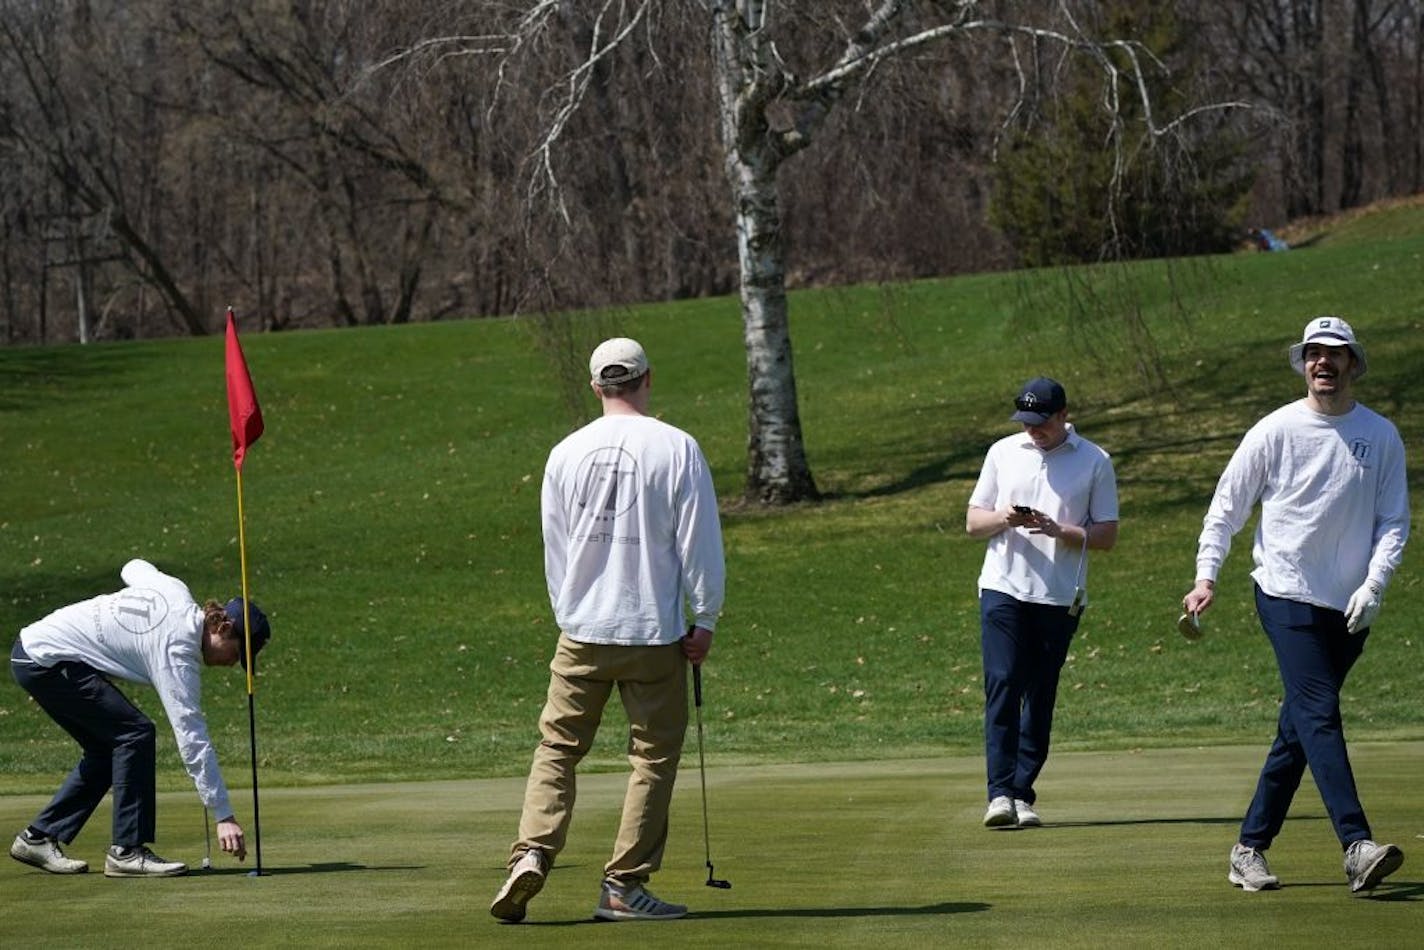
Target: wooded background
[{"x": 333, "y": 162}]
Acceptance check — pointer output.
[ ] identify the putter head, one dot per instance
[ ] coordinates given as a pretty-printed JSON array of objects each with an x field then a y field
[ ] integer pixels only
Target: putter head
[
  {"x": 1189, "y": 626},
  {"x": 716, "y": 881}
]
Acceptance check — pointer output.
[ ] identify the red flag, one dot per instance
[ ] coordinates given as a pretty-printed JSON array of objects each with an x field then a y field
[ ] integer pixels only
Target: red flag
[{"x": 242, "y": 408}]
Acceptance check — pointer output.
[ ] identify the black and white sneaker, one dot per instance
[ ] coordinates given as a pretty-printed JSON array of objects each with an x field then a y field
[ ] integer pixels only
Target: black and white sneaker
[
  {"x": 140, "y": 862},
  {"x": 635, "y": 903}
]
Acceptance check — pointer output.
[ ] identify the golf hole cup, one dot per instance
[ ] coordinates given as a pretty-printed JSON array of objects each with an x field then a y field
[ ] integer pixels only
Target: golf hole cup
[{"x": 1189, "y": 626}]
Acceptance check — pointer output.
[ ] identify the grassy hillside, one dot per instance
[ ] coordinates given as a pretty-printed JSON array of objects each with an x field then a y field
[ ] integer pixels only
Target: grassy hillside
[{"x": 393, "y": 511}]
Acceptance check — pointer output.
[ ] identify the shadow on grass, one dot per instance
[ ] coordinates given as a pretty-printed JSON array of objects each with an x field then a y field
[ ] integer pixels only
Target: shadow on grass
[
  {"x": 963, "y": 907},
  {"x": 329, "y": 867},
  {"x": 1396, "y": 891},
  {"x": 1116, "y": 822}
]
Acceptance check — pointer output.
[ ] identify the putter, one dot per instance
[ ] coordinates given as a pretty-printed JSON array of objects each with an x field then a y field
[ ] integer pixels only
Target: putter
[
  {"x": 702, "y": 769},
  {"x": 207, "y": 842},
  {"x": 1189, "y": 626}
]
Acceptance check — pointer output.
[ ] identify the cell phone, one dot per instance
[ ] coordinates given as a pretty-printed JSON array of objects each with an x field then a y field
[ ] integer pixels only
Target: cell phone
[{"x": 1023, "y": 509}]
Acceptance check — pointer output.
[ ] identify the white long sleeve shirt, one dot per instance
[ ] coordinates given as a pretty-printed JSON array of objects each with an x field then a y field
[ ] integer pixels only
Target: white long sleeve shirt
[
  {"x": 632, "y": 540},
  {"x": 1334, "y": 504},
  {"x": 151, "y": 633}
]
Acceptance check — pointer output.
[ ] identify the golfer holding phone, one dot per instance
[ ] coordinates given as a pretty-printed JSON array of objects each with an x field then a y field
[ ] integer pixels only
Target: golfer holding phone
[
  {"x": 1330, "y": 477},
  {"x": 1045, "y": 496}
]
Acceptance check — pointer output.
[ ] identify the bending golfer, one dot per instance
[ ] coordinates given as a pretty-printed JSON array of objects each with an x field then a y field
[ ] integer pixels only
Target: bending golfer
[
  {"x": 1045, "y": 497},
  {"x": 151, "y": 632},
  {"x": 632, "y": 548},
  {"x": 1329, "y": 475}
]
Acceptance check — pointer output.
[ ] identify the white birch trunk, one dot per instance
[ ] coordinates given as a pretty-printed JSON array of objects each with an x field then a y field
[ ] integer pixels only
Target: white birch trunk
[{"x": 777, "y": 470}]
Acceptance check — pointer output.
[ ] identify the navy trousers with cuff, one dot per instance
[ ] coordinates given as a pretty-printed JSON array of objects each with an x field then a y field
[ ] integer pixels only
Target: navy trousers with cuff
[
  {"x": 1315, "y": 653},
  {"x": 119, "y": 750},
  {"x": 1024, "y": 647}
]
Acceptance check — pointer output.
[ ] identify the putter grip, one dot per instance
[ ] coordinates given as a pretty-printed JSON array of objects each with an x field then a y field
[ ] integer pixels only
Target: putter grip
[{"x": 697, "y": 685}]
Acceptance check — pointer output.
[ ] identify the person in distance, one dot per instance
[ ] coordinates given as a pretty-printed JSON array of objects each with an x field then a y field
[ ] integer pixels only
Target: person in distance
[{"x": 1045, "y": 497}]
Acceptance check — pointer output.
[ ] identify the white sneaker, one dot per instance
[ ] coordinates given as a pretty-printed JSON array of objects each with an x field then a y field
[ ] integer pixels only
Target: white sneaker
[
  {"x": 45, "y": 855},
  {"x": 1249, "y": 870},
  {"x": 634, "y": 903},
  {"x": 1367, "y": 863},
  {"x": 1027, "y": 817},
  {"x": 1001, "y": 813},
  {"x": 526, "y": 878},
  {"x": 140, "y": 862}
]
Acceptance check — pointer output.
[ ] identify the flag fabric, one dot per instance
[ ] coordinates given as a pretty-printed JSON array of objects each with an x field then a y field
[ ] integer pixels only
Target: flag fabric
[{"x": 242, "y": 408}]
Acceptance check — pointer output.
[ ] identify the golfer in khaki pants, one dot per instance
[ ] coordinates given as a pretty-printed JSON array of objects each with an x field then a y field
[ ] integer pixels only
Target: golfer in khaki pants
[{"x": 633, "y": 561}]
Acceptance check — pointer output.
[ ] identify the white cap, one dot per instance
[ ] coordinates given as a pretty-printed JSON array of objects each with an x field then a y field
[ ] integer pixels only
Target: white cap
[
  {"x": 1328, "y": 331},
  {"x": 618, "y": 360}
]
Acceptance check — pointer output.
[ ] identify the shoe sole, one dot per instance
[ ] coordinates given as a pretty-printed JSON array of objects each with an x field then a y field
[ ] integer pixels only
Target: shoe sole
[
  {"x": 1383, "y": 867},
  {"x": 510, "y": 902},
  {"x": 1030, "y": 822},
  {"x": 608, "y": 913},
  {"x": 80, "y": 868},
  {"x": 1009, "y": 820},
  {"x": 112, "y": 872},
  {"x": 1241, "y": 882}
]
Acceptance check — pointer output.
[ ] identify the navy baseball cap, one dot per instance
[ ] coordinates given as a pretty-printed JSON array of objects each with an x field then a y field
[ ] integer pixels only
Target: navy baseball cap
[
  {"x": 261, "y": 629},
  {"x": 1039, "y": 399}
]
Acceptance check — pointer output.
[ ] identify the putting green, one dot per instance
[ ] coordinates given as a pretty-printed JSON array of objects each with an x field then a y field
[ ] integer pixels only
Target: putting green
[{"x": 863, "y": 854}]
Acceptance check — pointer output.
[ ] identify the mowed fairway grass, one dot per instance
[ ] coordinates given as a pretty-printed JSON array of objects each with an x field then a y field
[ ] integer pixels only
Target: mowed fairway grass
[
  {"x": 850, "y": 855},
  {"x": 393, "y": 539}
]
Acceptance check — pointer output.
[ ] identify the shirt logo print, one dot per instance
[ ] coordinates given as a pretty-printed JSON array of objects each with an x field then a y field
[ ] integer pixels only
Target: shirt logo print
[
  {"x": 606, "y": 483},
  {"x": 140, "y": 609}
]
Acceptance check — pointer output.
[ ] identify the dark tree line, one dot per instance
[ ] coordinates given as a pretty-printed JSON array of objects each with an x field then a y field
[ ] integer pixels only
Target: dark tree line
[{"x": 320, "y": 162}]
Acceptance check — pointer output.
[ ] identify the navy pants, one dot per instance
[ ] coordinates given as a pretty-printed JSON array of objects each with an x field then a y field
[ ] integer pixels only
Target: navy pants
[
  {"x": 1315, "y": 653},
  {"x": 1024, "y": 646},
  {"x": 118, "y": 744}
]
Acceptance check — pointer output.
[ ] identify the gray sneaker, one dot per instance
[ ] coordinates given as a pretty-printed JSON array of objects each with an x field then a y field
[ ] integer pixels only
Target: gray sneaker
[
  {"x": 1027, "y": 817},
  {"x": 45, "y": 855},
  {"x": 526, "y": 878},
  {"x": 634, "y": 903},
  {"x": 1249, "y": 870},
  {"x": 140, "y": 862},
  {"x": 1367, "y": 863}
]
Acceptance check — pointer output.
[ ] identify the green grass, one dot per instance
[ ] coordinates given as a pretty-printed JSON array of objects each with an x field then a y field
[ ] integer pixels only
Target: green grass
[
  {"x": 886, "y": 854},
  {"x": 393, "y": 514}
]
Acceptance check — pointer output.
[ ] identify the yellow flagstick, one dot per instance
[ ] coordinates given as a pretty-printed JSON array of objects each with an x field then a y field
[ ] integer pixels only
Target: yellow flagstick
[{"x": 251, "y": 693}]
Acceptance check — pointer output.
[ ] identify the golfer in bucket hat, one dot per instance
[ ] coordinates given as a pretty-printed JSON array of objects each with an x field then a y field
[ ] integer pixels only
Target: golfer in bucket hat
[{"x": 1329, "y": 475}]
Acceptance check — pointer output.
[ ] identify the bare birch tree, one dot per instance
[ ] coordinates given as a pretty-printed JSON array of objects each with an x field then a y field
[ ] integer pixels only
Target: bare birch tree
[{"x": 769, "y": 109}]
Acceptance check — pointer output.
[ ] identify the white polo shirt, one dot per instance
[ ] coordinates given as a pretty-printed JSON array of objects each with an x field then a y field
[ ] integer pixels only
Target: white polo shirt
[{"x": 1073, "y": 483}]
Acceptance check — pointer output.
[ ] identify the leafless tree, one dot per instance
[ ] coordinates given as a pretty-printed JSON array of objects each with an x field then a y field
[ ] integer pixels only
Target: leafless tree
[{"x": 769, "y": 108}]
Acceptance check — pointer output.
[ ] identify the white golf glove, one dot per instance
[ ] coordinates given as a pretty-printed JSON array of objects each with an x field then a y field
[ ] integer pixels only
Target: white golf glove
[{"x": 1364, "y": 606}]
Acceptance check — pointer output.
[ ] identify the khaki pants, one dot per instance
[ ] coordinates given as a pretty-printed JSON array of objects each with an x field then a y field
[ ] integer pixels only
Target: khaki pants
[{"x": 652, "y": 683}]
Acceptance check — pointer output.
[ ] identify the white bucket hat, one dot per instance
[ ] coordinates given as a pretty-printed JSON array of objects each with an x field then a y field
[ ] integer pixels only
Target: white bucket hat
[{"x": 1328, "y": 331}]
